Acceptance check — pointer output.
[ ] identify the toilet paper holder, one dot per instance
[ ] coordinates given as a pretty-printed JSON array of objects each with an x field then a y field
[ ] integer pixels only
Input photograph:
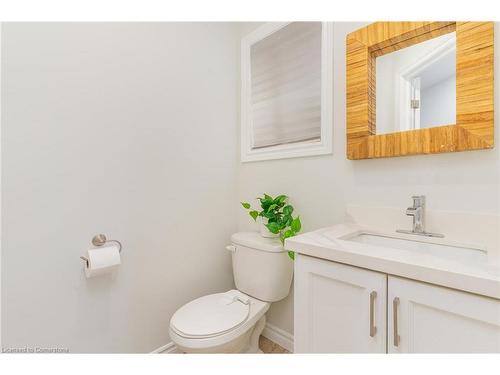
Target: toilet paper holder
[{"x": 100, "y": 240}]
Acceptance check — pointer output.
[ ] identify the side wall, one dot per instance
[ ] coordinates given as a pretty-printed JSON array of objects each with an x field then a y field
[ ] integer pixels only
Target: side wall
[{"x": 104, "y": 130}]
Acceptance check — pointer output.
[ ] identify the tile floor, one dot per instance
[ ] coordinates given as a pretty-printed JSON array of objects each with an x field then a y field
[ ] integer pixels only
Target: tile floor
[{"x": 270, "y": 347}]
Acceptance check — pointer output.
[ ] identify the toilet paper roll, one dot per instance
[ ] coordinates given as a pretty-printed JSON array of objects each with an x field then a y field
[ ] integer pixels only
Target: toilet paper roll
[{"x": 102, "y": 260}]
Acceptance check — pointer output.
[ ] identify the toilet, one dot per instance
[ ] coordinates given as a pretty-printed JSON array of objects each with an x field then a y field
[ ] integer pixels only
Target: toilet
[{"x": 232, "y": 321}]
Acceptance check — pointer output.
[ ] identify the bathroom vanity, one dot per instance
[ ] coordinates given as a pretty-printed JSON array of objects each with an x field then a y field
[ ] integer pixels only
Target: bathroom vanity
[
  {"x": 373, "y": 285},
  {"x": 361, "y": 290}
]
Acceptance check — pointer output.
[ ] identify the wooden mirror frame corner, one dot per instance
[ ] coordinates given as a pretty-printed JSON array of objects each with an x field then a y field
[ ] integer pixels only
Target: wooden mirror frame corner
[{"x": 474, "y": 127}]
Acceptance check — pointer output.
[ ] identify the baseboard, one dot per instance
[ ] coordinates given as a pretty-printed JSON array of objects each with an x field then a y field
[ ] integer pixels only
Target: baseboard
[
  {"x": 166, "y": 349},
  {"x": 279, "y": 336},
  {"x": 273, "y": 333}
]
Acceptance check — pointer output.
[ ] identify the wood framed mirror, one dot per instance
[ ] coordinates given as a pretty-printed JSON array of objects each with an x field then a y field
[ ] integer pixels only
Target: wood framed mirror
[{"x": 385, "y": 113}]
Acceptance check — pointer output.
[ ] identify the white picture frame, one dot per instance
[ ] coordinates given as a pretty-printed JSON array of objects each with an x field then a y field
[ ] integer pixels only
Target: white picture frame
[{"x": 292, "y": 150}]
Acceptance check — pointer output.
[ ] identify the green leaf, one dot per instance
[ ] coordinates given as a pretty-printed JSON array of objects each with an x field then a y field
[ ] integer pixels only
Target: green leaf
[
  {"x": 296, "y": 225},
  {"x": 286, "y": 220},
  {"x": 269, "y": 215},
  {"x": 272, "y": 207},
  {"x": 280, "y": 199},
  {"x": 286, "y": 234},
  {"x": 281, "y": 221},
  {"x": 254, "y": 214},
  {"x": 266, "y": 202},
  {"x": 287, "y": 210},
  {"x": 245, "y": 205},
  {"x": 273, "y": 227},
  {"x": 291, "y": 254}
]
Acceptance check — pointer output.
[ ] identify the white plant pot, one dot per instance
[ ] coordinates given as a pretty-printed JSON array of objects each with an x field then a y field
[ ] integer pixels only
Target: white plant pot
[{"x": 264, "y": 232}]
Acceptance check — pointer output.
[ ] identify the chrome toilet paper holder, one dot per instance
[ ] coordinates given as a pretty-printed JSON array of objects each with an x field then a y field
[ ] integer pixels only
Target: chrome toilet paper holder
[{"x": 100, "y": 240}]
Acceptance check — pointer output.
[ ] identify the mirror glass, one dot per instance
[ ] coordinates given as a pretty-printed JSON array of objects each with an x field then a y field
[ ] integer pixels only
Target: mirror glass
[{"x": 416, "y": 86}]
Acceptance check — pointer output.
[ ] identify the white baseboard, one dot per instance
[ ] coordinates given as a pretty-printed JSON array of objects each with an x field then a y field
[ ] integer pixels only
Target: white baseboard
[
  {"x": 166, "y": 349},
  {"x": 273, "y": 333},
  {"x": 279, "y": 336}
]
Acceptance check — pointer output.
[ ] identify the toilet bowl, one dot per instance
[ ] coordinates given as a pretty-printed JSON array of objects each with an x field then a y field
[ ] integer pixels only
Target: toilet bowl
[
  {"x": 219, "y": 323},
  {"x": 231, "y": 322}
]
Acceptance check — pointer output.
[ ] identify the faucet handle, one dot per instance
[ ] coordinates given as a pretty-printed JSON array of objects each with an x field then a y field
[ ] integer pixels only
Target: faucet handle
[{"x": 418, "y": 214}]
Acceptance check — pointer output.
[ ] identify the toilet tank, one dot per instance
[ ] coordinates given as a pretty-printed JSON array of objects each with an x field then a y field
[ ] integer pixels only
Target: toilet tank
[{"x": 261, "y": 267}]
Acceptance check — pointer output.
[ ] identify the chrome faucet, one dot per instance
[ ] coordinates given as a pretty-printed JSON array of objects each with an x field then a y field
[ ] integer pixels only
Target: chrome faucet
[{"x": 417, "y": 212}]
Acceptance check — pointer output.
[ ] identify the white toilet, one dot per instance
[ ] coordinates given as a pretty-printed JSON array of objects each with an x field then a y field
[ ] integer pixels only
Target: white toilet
[{"x": 232, "y": 322}]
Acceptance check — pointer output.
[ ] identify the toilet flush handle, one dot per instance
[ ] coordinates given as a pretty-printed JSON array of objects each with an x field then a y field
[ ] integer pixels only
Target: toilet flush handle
[{"x": 231, "y": 248}]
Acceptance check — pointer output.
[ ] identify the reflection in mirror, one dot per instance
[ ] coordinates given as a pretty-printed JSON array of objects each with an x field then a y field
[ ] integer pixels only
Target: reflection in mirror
[{"x": 416, "y": 86}]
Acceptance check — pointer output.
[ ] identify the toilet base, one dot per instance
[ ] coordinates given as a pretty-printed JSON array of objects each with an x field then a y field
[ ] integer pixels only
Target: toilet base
[{"x": 253, "y": 346}]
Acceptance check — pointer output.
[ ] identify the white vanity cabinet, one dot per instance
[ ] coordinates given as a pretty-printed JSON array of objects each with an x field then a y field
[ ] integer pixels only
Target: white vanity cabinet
[
  {"x": 341, "y": 308},
  {"x": 338, "y": 308}
]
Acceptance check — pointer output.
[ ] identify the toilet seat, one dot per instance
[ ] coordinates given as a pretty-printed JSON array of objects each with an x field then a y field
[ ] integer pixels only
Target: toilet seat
[
  {"x": 211, "y": 315},
  {"x": 187, "y": 335}
]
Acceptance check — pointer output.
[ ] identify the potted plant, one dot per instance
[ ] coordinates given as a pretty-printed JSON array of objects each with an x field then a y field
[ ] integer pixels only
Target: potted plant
[{"x": 276, "y": 218}]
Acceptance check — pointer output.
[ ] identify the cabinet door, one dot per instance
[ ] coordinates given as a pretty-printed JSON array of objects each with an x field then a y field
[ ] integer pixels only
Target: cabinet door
[
  {"x": 429, "y": 319},
  {"x": 338, "y": 308}
]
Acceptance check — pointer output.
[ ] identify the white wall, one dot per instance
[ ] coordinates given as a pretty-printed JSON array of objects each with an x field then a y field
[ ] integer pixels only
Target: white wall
[
  {"x": 126, "y": 129},
  {"x": 321, "y": 187}
]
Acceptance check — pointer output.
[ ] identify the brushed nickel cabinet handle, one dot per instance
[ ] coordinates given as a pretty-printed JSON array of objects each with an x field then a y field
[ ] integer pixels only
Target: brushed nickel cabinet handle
[
  {"x": 395, "y": 305},
  {"x": 373, "y": 329}
]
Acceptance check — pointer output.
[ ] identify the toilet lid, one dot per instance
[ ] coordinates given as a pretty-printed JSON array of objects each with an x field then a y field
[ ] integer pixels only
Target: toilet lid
[{"x": 211, "y": 315}]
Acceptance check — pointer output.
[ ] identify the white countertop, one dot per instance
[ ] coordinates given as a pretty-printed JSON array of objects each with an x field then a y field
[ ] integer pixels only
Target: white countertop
[{"x": 478, "y": 276}]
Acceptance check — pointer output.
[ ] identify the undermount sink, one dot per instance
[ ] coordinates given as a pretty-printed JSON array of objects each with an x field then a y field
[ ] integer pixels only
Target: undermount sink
[{"x": 421, "y": 246}]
